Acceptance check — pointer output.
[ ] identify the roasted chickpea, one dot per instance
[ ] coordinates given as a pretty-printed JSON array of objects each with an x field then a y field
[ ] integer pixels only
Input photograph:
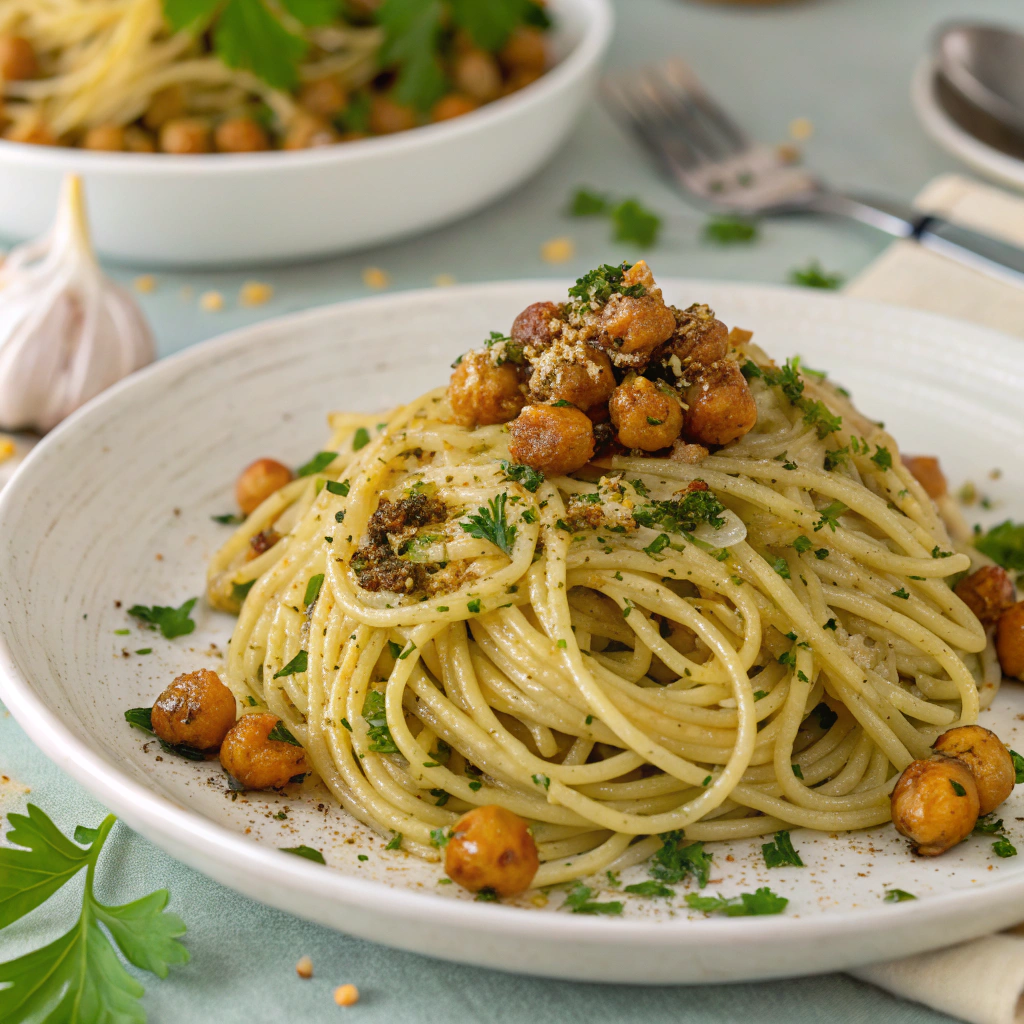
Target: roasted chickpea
[
  {"x": 637, "y": 323},
  {"x": 164, "y": 105},
  {"x": 524, "y": 51},
  {"x": 388, "y": 117},
  {"x": 307, "y": 131},
  {"x": 699, "y": 339},
  {"x": 935, "y": 804},
  {"x": 185, "y": 136},
  {"x": 988, "y": 592},
  {"x": 989, "y": 761},
  {"x": 476, "y": 73},
  {"x": 646, "y": 415},
  {"x": 481, "y": 393},
  {"x": 17, "y": 59},
  {"x": 928, "y": 473},
  {"x": 491, "y": 848},
  {"x": 240, "y": 135},
  {"x": 197, "y": 709},
  {"x": 32, "y": 133},
  {"x": 453, "y": 105},
  {"x": 138, "y": 140},
  {"x": 533, "y": 327},
  {"x": 587, "y": 381},
  {"x": 720, "y": 407},
  {"x": 258, "y": 481},
  {"x": 554, "y": 439},
  {"x": 324, "y": 97},
  {"x": 256, "y": 761},
  {"x": 105, "y": 138},
  {"x": 1010, "y": 640}
]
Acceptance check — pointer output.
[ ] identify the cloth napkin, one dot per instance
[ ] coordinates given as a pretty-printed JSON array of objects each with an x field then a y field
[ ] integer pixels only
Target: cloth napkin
[{"x": 980, "y": 981}]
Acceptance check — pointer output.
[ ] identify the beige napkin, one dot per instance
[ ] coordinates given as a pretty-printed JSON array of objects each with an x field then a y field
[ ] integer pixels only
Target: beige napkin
[{"x": 980, "y": 981}]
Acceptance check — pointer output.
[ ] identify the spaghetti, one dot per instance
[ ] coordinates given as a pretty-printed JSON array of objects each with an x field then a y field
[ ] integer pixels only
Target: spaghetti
[{"x": 758, "y": 639}]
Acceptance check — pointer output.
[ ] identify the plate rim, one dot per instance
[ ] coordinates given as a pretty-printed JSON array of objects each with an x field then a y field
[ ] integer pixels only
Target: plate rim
[{"x": 172, "y": 827}]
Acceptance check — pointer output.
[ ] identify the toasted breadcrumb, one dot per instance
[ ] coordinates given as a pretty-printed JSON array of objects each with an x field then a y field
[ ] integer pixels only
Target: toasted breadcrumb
[
  {"x": 145, "y": 283},
  {"x": 6, "y": 447},
  {"x": 346, "y": 995},
  {"x": 374, "y": 277},
  {"x": 255, "y": 293},
  {"x": 444, "y": 280},
  {"x": 558, "y": 250},
  {"x": 801, "y": 129},
  {"x": 304, "y": 968},
  {"x": 788, "y": 153},
  {"x": 212, "y": 302}
]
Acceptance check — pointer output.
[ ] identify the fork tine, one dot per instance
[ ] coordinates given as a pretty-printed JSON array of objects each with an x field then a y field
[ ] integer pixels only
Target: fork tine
[
  {"x": 684, "y": 78},
  {"x": 680, "y": 116}
]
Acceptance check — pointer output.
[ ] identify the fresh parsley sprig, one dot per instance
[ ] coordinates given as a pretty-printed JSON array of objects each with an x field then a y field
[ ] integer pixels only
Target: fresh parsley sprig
[
  {"x": 762, "y": 901},
  {"x": 78, "y": 977},
  {"x": 780, "y": 853},
  {"x": 681, "y": 515},
  {"x": 376, "y": 717},
  {"x": 579, "y": 902},
  {"x": 631, "y": 220},
  {"x": 171, "y": 622},
  {"x": 676, "y": 861},
  {"x": 491, "y": 524}
]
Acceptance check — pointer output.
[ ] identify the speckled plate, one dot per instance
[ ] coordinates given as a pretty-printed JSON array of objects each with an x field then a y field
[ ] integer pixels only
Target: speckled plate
[{"x": 114, "y": 508}]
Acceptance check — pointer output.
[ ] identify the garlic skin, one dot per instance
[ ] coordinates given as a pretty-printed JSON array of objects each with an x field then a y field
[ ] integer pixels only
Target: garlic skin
[{"x": 66, "y": 331}]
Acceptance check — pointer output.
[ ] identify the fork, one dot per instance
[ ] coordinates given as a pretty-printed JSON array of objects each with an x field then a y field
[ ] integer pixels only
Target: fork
[{"x": 702, "y": 149}]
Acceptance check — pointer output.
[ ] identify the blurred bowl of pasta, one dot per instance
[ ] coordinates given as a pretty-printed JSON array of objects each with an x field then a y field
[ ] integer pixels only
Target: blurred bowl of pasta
[{"x": 211, "y": 206}]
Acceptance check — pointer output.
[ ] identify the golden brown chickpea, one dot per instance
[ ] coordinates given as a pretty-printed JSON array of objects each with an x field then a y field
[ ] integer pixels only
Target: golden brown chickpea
[
  {"x": 388, "y": 117},
  {"x": 164, "y": 105},
  {"x": 524, "y": 51},
  {"x": 197, "y": 709},
  {"x": 989, "y": 761},
  {"x": 481, "y": 393},
  {"x": 324, "y": 97},
  {"x": 988, "y": 592},
  {"x": 587, "y": 381},
  {"x": 645, "y": 415},
  {"x": 935, "y": 804},
  {"x": 17, "y": 59},
  {"x": 1010, "y": 640},
  {"x": 307, "y": 131},
  {"x": 185, "y": 136},
  {"x": 138, "y": 140},
  {"x": 554, "y": 439},
  {"x": 256, "y": 761},
  {"x": 928, "y": 473},
  {"x": 240, "y": 135},
  {"x": 105, "y": 138},
  {"x": 720, "y": 405},
  {"x": 533, "y": 326},
  {"x": 258, "y": 481},
  {"x": 700, "y": 339},
  {"x": 32, "y": 133},
  {"x": 491, "y": 848},
  {"x": 451, "y": 106},
  {"x": 476, "y": 73},
  {"x": 637, "y": 324}
]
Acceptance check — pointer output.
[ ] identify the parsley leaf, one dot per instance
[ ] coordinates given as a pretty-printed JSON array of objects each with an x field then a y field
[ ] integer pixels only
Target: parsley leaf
[
  {"x": 142, "y": 718},
  {"x": 898, "y": 896},
  {"x": 596, "y": 287},
  {"x": 1018, "y": 766},
  {"x": 529, "y": 477},
  {"x": 281, "y": 734},
  {"x": 317, "y": 464},
  {"x": 579, "y": 902},
  {"x": 375, "y": 716},
  {"x": 882, "y": 458},
  {"x": 249, "y": 36},
  {"x": 830, "y": 516},
  {"x": 491, "y": 524},
  {"x": 681, "y": 516},
  {"x": 1004, "y": 544},
  {"x": 305, "y": 851},
  {"x": 294, "y": 667},
  {"x": 588, "y": 204},
  {"x": 762, "y": 901},
  {"x": 171, "y": 622},
  {"x": 490, "y": 24},
  {"x": 228, "y": 519},
  {"x": 313, "y": 588},
  {"x": 635, "y": 223},
  {"x": 338, "y": 487},
  {"x": 726, "y": 230},
  {"x": 826, "y": 716},
  {"x": 412, "y": 36},
  {"x": 813, "y": 276},
  {"x": 780, "y": 853},
  {"x": 651, "y": 888},
  {"x": 675, "y": 861},
  {"x": 78, "y": 976},
  {"x": 1004, "y": 848},
  {"x": 802, "y": 544},
  {"x": 781, "y": 566},
  {"x": 240, "y": 591},
  {"x": 658, "y": 544}
]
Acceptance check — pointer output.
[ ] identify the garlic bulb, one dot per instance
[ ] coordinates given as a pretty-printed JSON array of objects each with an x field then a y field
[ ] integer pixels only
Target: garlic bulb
[{"x": 66, "y": 331}]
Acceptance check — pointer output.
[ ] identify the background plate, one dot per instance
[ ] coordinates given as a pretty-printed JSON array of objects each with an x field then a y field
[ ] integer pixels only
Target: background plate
[{"x": 114, "y": 508}]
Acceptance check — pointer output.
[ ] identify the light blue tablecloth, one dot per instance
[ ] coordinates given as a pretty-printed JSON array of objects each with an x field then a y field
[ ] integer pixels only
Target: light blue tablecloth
[{"x": 845, "y": 65}]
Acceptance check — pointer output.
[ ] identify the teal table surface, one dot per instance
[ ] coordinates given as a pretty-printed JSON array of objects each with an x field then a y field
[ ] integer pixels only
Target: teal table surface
[{"x": 845, "y": 65}]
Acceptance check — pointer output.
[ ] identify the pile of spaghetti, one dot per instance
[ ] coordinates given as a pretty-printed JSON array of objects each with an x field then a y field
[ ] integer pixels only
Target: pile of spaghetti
[{"x": 745, "y": 637}]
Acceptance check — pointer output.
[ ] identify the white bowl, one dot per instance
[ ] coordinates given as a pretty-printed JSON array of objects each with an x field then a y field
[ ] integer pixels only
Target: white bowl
[
  {"x": 262, "y": 207},
  {"x": 115, "y": 505}
]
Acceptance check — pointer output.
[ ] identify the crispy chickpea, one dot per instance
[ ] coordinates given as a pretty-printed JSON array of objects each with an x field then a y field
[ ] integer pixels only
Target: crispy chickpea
[
  {"x": 256, "y": 761},
  {"x": 197, "y": 709},
  {"x": 17, "y": 59},
  {"x": 586, "y": 382},
  {"x": 388, "y": 117},
  {"x": 524, "y": 51},
  {"x": 1010, "y": 640},
  {"x": 307, "y": 131},
  {"x": 32, "y": 133},
  {"x": 720, "y": 405},
  {"x": 533, "y": 326},
  {"x": 700, "y": 339},
  {"x": 258, "y": 481},
  {"x": 935, "y": 804},
  {"x": 491, "y": 848},
  {"x": 185, "y": 136},
  {"x": 164, "y": 105},
  {"x": 240, "y": 135},
  {"x": 646, "y": 416},
  {"x": 637, "y": 323},
  {"x": 324, "y": 97},
  {"x": 553, "y": 439},
  {"x": 476, "y": 73},
  {"x": 989, "y": 761},
  {"x": 928, "y": 473},
  {"x": 455, "y": 104},
  {"x": 105, "y": 138},
  {"x": 988, "y": 592},
  {"x": 138, "y": 140},
  {"x": 481, "y": 393}
]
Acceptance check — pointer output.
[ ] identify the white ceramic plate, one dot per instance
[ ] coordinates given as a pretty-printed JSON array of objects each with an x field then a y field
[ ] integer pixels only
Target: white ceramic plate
[
  {"x": 259, "y": 207},
  {"x": 115, "y": 506},
  {"x": 943, "y": 129}
]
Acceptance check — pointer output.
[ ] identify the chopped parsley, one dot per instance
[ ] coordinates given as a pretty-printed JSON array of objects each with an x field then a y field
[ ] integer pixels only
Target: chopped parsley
[
  {"x": 747, "y": 904},
  {"x": 171, "y": 622},
  {"x": 440, "y": 837},
  {"x": 541, "y": 780},
  {"x": 830, "y": 516},
  {"x": 395, "y": 842},
  {"x": 802, "y": 544},
  {"x": 675, "y": 861},
  {"x": 750, "y": 369},
  {"x": 681, "y": 516},
  {"x": 1004, "y": 544},
  {"x": 882, "y": 458},
  {"x": 780, "y": 852},
  {"x": 297, "y": 665},
  {"x": 781, "y": 566},
  {"x": 313, "y": 588},
  {"x": 597, "y": 286},
  {"x": 1018, "y": 766},
  {"x": 651, "y": 888},
  {"x": 1004, "y": 848},
  {"x": 633, "y": 222},
  {"x": 658, "y": 544},
  {"x": 281, "y": 734},
  {"x": 305, "y": 851},
  {"x": 360, "y": 439},
  {"x": 527, "y": 476},
  {"x": 338, "y": 487},
  {"x": 229, "y": 519},
  {"x": 797, "y": 770},
  {"x": 816, "y": 413},
  {"x": 318, "y": 463},
  {"x": 813, "y": 276},
  {"x": 957, "y": 788},
  {"x": 902, "y": 594},
  {"x": 587, "y": 204},
  {"x": 579, "y": 902},
  {"x": 831, "y": 624},
  {"x": 491, "y": 524},
  {"x": 726, "y": 230},
  {"x": 897, "y": 896},
  {"x": 836, "y": 458},
  {"x": 142, "y": 718},
  {"x": 376, "y": 718}
]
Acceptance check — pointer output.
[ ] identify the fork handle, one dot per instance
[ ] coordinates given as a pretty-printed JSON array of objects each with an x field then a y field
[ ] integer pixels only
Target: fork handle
[{"x": 972, "y": 248}]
